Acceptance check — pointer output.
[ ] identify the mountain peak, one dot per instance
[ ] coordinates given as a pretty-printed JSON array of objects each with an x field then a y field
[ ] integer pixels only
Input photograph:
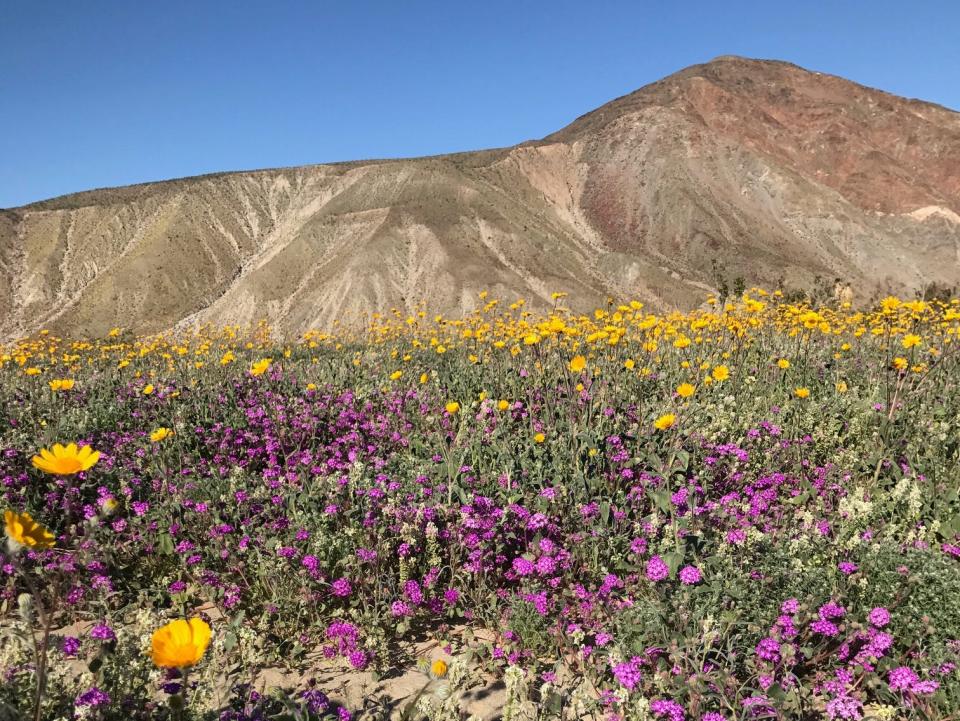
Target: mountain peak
[
  {"x": 745, "y": 62},
  {"x": 880, "y": 151}
]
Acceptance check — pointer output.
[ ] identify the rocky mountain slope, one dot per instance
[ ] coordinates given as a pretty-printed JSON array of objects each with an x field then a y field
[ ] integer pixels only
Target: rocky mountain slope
[{"x": 760, "y": 168}]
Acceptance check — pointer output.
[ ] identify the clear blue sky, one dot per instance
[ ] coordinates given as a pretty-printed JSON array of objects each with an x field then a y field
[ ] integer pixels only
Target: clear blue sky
[{"x": 95, "y": 94}]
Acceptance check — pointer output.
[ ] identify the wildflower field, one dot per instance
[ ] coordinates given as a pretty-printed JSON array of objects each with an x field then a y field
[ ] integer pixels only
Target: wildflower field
[{"x": 744, "y": 512}]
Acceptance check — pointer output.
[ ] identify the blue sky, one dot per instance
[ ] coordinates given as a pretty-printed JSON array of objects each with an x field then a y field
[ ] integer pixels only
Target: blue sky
[{"x": 95, "y": 94}]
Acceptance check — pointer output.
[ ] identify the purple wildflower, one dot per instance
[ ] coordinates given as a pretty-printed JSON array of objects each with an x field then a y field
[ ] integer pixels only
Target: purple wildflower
[
  {"x": 879, "y": 617},
  {"x": 670, "y": 709},
  {"x": 768, "y": 649},
  {"x": 71, "y": 645},
  {"x": 825, "y": 628},
  {"x": 690, "y": 575},
  {"x": 844, "y": 707},
  {"x": 657, "y": 569},
  {"x": 341, "y": 587},
  {"x": 791, "y": 605},
  {"x": 92, "y": 697},
  {"x": 901, "y": 678},
  {"x": 924, "y": 688},
  {"x": 103, "y": 632},
  {"x": 523, "y": 566},
  {"x": 627, "y": 674},
  {"x": 831, "y": 610}
]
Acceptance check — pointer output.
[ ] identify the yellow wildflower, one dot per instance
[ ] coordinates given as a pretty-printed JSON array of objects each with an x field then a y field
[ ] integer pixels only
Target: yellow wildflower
[
  {"x": 22, "y": 531},
  {"x": 685, "y": 390},
  {"x": 665, "y": 421},
  {"x": 66, "y": 460},
  {"x": 180, "y": 644},
  {"x": 261, "y": 366},
  {"x": 160, "y": 434}
]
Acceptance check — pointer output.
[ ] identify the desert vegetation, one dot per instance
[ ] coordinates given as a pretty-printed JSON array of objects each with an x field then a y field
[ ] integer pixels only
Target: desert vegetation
[{"x": 748, "y": 511}]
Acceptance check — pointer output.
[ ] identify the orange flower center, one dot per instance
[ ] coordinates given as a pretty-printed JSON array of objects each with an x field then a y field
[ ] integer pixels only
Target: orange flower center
[{"x": 67, "y": 466}]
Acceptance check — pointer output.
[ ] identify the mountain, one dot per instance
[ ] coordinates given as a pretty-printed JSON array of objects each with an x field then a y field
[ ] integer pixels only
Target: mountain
[{"x": 736, "y": 167}]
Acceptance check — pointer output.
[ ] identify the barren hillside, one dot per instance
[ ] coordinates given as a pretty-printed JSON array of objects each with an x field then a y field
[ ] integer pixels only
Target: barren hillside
[{"x": 771, "y": 171}]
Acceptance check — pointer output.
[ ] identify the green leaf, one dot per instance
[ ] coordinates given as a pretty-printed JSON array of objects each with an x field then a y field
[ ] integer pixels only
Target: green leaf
[
  {"x": 165, "y": 544},
  {"x": 776, "y": 692},
  {"x": 798, "y": 500},
  {"x": 662, "y": 499},
  {"x": 673, "y": 561}
]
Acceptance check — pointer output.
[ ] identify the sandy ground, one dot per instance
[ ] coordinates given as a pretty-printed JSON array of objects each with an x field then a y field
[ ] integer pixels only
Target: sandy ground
[{"x": 376, "y": 698}]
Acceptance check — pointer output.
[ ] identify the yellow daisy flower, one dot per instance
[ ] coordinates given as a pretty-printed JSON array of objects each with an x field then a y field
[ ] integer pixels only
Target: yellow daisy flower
[
  {"x": 180, "y": 643},
  {"x": 66, "y": 460}
]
